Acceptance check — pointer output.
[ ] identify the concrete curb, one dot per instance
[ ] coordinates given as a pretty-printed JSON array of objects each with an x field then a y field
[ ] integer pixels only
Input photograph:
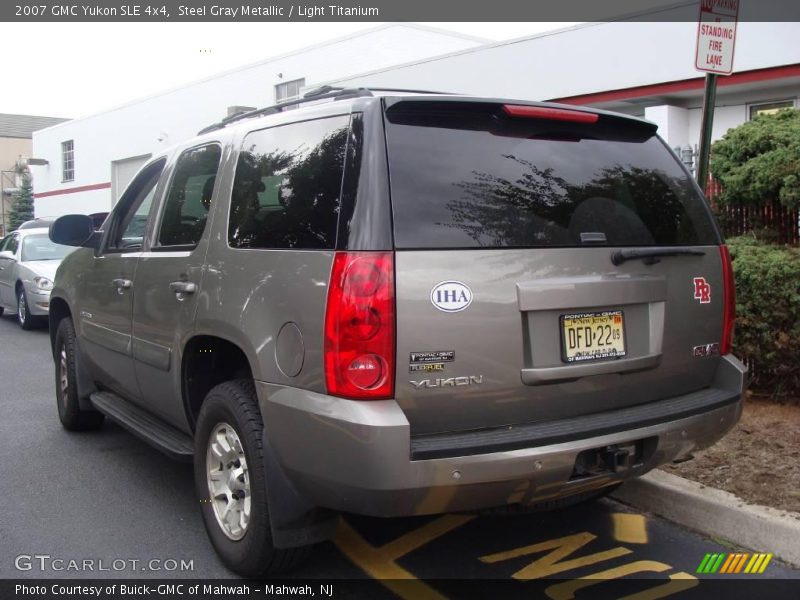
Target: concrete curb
[{"x": 715, "y": 513}]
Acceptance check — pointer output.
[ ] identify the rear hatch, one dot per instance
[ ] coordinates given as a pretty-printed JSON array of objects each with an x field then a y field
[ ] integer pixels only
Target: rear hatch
[{"x": 520, "y": 293}]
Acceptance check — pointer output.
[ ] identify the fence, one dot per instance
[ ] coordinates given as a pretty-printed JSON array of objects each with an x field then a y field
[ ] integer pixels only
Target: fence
[{"x": 780, "y": 225}]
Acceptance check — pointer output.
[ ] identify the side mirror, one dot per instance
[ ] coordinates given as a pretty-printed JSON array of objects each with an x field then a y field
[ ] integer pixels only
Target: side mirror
[
  {"x": 7, "y": 254},
  {"x": 74, "y": 230}
]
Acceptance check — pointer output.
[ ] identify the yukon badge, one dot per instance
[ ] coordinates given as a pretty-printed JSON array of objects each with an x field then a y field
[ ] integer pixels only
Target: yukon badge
[
  {"x": 451, "y": 296},
  {"x": 448, "y": 382}
]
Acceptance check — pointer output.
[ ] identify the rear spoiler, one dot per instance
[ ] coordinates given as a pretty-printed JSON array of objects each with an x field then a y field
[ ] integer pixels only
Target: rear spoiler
[{"x": 518, "y": 119}]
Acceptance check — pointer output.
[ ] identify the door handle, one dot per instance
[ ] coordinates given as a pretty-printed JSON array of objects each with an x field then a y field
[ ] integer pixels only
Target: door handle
[
  {"x": 122, "y": 284},
  {"x": 183, "y": 287}
]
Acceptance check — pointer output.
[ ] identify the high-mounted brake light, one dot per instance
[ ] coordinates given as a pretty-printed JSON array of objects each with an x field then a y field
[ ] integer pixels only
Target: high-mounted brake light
[
  {"x": 729, "y": 306},
  {"x": 360, "y": 326},
  {"x": 554, "y": 114}
]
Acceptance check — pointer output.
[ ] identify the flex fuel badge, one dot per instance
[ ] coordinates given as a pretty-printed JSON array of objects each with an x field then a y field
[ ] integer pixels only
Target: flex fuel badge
[{"x": 426, "y": 368}]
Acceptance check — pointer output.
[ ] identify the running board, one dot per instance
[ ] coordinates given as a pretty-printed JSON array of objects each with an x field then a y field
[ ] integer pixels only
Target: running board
[{"x": 139, "y": 422}]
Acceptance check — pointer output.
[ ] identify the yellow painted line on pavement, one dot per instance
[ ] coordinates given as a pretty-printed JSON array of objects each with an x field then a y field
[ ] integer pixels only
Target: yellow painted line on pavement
[
  {"x": 566, "y": 590},
  {"x": 555, "y": 561},
  {"x": 419, "y": 537},
  {"x": 380, "y": 563},
  {"x": 629, "y": 529}
]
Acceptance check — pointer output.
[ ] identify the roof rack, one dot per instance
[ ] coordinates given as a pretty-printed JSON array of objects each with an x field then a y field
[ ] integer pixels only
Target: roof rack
[
  {"x": 320, "y": 93},
  {"x": 335, "y": 93}
]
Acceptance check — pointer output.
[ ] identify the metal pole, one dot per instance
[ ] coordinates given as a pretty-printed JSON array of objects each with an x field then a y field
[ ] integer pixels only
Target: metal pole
[
  {"x": 3, "y": 201},
  {"x": 709, "y": 100}
]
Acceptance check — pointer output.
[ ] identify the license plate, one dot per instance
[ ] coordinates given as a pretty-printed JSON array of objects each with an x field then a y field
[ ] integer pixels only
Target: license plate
[{"x": 592, "y": 336}]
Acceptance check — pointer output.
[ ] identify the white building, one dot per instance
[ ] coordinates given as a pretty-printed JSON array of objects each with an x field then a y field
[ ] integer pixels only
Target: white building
[
  {"x": 643, "y": 68},
  {"x": 92, "y": 159}
]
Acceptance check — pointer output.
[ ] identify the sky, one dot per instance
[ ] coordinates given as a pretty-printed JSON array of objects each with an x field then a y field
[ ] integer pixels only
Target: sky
[{"x": 77, "y": 69}]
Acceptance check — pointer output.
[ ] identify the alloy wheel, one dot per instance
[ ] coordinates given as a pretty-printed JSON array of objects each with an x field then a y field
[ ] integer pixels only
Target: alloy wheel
[
  {"x": 228, "y": 481},
  {"x": 22, "y": 308},
  {"x": 63, "y": 375}
]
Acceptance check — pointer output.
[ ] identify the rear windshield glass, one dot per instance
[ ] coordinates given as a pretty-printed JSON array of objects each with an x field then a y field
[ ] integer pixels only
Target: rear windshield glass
[{"x": 481, "y": 179}]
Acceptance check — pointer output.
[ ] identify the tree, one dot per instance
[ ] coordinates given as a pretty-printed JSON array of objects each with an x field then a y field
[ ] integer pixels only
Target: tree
[
  {"x": 22, "y": 209},
  {"x": 759, "y": 161}
]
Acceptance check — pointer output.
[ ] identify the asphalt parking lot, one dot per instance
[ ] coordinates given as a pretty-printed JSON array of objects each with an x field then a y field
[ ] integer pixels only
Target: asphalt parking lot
[{"x": 106, "y": 496}]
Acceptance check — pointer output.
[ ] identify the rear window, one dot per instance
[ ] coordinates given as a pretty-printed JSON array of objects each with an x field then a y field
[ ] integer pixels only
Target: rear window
[{"x": 469, "y": 177}]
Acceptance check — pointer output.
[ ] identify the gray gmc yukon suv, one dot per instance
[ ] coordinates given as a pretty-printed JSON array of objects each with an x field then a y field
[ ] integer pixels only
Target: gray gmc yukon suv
[{"x": 394, "y": 303}]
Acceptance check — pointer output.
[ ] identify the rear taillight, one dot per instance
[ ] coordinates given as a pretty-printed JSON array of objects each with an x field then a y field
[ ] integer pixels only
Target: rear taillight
[
  {"x": 729, "y": 307},
  {"x": 545, "y": 112},
  {"x": 359, "y": 326}
]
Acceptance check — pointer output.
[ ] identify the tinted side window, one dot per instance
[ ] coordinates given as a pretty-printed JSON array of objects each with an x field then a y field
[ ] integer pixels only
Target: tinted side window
[
  {"x": 462, "y": 180},
  {"x": 127, "y": 228},
  {"x": 12, "y": 244},
  {"x": 189, "y": 197},
  {"x": 287, "y": 186}
]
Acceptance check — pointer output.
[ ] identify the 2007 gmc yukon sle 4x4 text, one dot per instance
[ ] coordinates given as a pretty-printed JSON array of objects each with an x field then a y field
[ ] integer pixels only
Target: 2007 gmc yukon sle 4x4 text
[{"x": 397, "y": 303}]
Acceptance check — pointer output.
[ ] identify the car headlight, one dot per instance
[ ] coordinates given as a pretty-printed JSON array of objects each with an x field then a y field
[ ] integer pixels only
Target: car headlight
[{"x": 43, "y": 283}]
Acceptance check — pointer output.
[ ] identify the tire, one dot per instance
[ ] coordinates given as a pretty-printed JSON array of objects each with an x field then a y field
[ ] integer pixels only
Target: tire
[
  {"x": 245, "y": 546},
  {"x": 26, "y": 320},
  {"x": 72, "y": 417},
  {"x": 548, "y": 505}
]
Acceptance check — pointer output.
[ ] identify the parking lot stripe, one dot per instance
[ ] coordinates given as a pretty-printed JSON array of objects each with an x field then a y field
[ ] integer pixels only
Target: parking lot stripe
[
  {"x": 553, "y": 562},
  {"x": 629, "y": 529},
  {"x": 419, "y": 537},
  {"x": 567, "y": 589},
  {"x": 379, "y": 563}
]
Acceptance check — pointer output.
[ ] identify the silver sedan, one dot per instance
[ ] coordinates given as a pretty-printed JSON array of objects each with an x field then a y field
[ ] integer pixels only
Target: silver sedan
[{"x": 28, "y": 263}]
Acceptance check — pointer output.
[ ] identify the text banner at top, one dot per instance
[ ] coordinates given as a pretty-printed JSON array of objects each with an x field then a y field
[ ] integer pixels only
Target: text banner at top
[{"x": 382, "y": 10}]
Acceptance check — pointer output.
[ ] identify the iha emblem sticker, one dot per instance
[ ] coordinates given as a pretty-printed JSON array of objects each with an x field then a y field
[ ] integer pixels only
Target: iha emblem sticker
[
  {"x": 702, "y": 290},
  {"x": 451, "y": 296}
]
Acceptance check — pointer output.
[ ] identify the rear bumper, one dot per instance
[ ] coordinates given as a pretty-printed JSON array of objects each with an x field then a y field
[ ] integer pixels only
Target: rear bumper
[{"x": 357, "y": 456}]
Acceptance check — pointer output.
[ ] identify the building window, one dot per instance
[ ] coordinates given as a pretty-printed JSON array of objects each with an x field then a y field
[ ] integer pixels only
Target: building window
[
  {"x": 769, "y": 108},
  {"x": 68, "y": 160},
  {"x": 289, "y": 90}
]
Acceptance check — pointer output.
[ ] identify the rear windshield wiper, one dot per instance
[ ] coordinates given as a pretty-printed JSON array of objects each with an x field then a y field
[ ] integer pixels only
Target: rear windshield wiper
[{"x": 650, "y": 255}]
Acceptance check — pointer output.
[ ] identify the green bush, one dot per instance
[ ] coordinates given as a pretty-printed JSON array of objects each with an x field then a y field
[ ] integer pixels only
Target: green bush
[
  {"x": 768, "y": 312},
  {"x": 759, "y": 161}
]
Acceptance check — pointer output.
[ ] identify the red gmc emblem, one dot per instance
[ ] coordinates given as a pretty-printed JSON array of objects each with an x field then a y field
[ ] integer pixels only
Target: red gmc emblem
[{"x": 702, "y": 290}]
